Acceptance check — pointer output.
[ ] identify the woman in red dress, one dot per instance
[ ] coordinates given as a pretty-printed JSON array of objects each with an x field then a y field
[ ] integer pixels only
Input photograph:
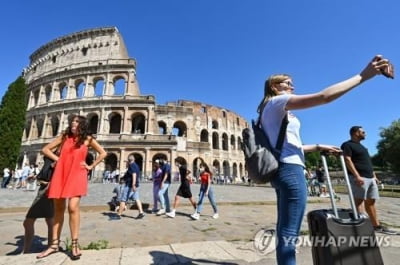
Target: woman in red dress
[{"x": 69, "y": 180}]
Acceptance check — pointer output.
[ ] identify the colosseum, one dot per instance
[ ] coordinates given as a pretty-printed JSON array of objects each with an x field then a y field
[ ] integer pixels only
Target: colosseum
[{"x": 90, "y": 73}]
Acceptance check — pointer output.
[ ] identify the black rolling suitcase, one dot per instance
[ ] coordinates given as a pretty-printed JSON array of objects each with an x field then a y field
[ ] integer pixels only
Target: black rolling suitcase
[{"x": 342, "y": 236}]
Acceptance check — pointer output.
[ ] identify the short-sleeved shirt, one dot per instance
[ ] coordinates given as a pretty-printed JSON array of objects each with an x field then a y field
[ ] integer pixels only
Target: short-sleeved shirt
[
  {"x": 6, "y": 172},
  {"x": 204, "y": 178},
  {"x": 271, "y": 120},
  {"x": 133, "y": 168},
  {"x": 157, "y": 177},
  {"x": 166, "y": 169},
  {"x": 360, "y": 158}
]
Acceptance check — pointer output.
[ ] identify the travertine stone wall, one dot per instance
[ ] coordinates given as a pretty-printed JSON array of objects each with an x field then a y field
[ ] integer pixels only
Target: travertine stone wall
[{"x": 90, "y": 73}]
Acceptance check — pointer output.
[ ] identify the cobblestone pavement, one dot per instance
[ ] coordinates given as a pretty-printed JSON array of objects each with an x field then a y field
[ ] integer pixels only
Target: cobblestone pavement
[{"x": 243, "y": 212}]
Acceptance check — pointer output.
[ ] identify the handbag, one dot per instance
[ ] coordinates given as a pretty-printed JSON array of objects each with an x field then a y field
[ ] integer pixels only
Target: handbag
[{"x": 47, "y": 170}]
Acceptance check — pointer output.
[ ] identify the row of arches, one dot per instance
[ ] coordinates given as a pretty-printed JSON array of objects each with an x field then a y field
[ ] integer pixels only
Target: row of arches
[
  {"x": 225, "y": 140},
  {"x": 43, "y": 126},
  {"x": 115, "y": 85}
]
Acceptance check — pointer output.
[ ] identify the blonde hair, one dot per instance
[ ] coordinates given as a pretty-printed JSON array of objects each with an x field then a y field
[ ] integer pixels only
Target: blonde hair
[{"x": 269, "y": 91}]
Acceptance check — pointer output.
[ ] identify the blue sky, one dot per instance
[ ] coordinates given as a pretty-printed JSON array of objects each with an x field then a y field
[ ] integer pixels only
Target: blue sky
[{"x": 221, "y": 51}]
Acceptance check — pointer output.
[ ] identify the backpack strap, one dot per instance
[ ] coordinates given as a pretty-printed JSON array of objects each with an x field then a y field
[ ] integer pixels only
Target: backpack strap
[
  {"x": 282, "y": 133},
  {"x": 282, "y": 130}
]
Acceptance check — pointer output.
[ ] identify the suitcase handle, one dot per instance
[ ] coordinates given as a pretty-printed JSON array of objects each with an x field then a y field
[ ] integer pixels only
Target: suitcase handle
[{"x": 346, "y": 176}]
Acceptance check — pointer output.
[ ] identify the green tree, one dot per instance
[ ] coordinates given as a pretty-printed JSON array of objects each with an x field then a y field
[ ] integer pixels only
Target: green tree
[
  {"x": 12, "y": 121},
  {"x": 313, "y": 159},
  {"x": 389, "y": 146}
]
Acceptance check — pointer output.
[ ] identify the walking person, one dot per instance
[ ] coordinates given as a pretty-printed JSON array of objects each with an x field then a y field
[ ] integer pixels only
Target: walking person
[
  {"x": 131, "y": 188},
  {"x": 69, "y": 181},
  {"x": 164, "y": 186},
  {"x": 157, "y": 179},
  {"x": 277, "y": 105},
  {"x": 184, "y": 189},
  {"x": 6, "y": 178},
  {"x": 363, "y": 180},
  {"x": 205, "y": 190}
]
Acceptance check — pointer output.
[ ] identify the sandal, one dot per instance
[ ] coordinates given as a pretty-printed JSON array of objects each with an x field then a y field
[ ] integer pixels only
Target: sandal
[
  {"x": 75, "y": 247},
  {"x": 53, "y": 248}
]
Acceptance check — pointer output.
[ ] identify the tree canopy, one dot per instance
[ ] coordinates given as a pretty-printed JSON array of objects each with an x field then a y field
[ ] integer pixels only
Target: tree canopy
[
  {"x": 12, "y": 121},
  {"x": 389, "y": 146}
]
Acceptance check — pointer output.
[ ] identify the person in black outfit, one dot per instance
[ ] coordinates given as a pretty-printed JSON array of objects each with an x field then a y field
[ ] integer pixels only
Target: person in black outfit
[
  {"x": 184, "y": 189},
  {"x": 363, "y": 179}
]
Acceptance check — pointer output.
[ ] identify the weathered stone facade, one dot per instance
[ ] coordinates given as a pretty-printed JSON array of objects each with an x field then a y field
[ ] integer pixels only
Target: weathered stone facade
[{"x": 91, "y": 74}]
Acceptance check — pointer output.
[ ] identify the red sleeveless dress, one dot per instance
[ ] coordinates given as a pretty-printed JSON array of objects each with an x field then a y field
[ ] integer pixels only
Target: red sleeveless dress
[{"x": 69, "y": 178}]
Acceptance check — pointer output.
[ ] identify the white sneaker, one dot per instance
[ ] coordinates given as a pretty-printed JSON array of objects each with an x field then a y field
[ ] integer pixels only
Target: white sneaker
[
  {"x": 171, "y": 214},
  {"x": 160, "y": 212},
  {"x": 195, "y": 216},
  {"x": 215, "y": 216}
]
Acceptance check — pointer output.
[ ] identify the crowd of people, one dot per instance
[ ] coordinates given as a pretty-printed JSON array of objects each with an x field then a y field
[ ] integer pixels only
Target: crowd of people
[
  {"x": 127, "y": 191},
  {"x": 21, "y": 178}
]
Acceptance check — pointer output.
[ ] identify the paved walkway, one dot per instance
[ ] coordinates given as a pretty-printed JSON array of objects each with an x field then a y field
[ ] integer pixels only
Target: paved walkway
[{"x": 161, "y": 240}]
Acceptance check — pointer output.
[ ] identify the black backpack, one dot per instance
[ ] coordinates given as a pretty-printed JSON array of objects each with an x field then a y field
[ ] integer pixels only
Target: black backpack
[{"x": 262, "y": 160}]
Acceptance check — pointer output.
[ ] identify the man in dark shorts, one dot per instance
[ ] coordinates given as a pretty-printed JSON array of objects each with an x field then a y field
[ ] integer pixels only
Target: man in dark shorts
[
  {"x": 184, "y": 188},
  {"x": 42, "y": 207},
  {"x": 363, "y": 179}
]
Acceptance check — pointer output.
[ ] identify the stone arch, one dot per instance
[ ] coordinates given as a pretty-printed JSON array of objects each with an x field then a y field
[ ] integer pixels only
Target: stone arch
[
  {"x": 181, "y": 160},
  {"x": 214, "y": 124},
  {"x": 55, "y": 125},
  {"x": 162, "y": 127},
  {"x": 179, "y": 129},
  {"x": 204, "y": 136},
  {"x": 159, "y": 156},
  {"x": 234, "y": 171},
  {"x": 233, "y": 142},
  {"x": 226, "y": 169},
  {"x": 98, "y": 84},
  {"x": 138, "y": 123},
  {"x": 89, "y": 160},
  {"x": 28, "y": 128},
  {"x": 215, "y": 140},
  {"x": 48, "y": 93},
  {"x": 239, "y": 141},
  {"x": 39, "y": 125},
  {"x": 36, "y": 94},
  {"x": 216, "y": 168},
  {"x": 115, "y": 122},
  {"x": 63, "y": 88},
  {"x": 119, "y": 84},
  {"x": 225, "y": 142},
  {"x": 111, "y": 161},
  {"x": 80, "y": 86},
  {"x": 241, "y": 169},
  {"x": 139, "y": 162},
  {"x": 93, "y": 120},
  {"x": 196, "y": 166}
]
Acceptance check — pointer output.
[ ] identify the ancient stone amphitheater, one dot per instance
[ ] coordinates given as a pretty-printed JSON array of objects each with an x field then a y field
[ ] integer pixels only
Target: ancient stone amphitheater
[{"x": 90, "y": 73}]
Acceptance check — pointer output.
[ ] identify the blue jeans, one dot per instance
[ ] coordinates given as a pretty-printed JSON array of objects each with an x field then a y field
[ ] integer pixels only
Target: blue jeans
[
  {"x": 203, "y": 189},
  {"x": 291, "y": 191},
  {"x": 164, "y": 199}
]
